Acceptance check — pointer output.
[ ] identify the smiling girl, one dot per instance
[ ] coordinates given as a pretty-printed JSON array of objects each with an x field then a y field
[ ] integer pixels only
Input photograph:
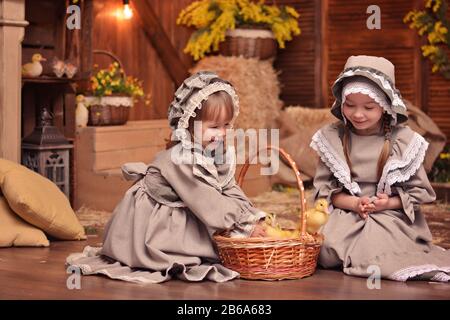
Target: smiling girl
[
  {"x": 163, "y": 226},
  {"x": 371, "y": 170}
]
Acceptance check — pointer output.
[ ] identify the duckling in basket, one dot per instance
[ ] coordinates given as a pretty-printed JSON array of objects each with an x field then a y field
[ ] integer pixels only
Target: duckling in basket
[
  {"x": 315, "y": 218},
  {"x": 273, "y": 229}
]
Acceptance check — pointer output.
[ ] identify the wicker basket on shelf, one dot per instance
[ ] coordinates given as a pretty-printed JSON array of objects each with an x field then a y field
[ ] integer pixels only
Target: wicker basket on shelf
[
  {"x": 268, "y": 258},
  {"x": 112, "y": 109},
  {"x": 249, "y": 43}
]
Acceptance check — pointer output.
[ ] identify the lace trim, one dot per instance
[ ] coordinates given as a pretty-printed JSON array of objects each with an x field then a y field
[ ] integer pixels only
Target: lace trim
[
  {"x": 441, "y": 277},
  {"x": 181, "y": 133},
  {"x": 251, "y": 33},
  {"x": 397, "y": 104},
  {"x": 400, "y": 170},
  {"x": 356, "y": 88},
  {"x": 184, "y": 106},
  {"x": 339, "y": 168},
  {"x": 87, "y": 270},
  {"x": 214, "y": 180},
  {"x": 181, "y": 155},
  {"x": 413, "y": 271},
  {"x": 196, "y": 101},
  {"x": 193, "y": 83},
  {"x": 245, "y": 229},
  {"x": 112, "y": 101}
]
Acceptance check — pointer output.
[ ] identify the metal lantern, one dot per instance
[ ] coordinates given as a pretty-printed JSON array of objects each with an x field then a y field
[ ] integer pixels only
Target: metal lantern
[{"x": 46, "y": 151}]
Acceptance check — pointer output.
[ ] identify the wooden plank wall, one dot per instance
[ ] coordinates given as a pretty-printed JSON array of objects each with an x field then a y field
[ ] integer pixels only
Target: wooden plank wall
[
  {"x": 348, "y": 35},
  {"x": 297, "y": 62},
  {"x": 126, "y": 39},
  {"x": 332, "y": 30}
]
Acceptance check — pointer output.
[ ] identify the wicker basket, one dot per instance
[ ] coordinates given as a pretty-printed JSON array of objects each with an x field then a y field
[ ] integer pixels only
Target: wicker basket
[
  {"x": 109, "y": 110},
  {"x": 272, "y": 259},
  {"x": 249, "y": 43}
]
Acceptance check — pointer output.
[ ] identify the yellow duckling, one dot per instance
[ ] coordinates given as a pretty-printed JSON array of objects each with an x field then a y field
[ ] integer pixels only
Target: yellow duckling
[
  {"x": 34, "y": 68},
  {"x": 317, "y": 216},
  {"x": 275, "y": 231}
]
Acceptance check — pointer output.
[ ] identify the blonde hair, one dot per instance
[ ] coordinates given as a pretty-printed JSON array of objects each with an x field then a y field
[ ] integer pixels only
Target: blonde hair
[
  {"x": 218, "y": 105},
  {"x": 384, "y": 154}
]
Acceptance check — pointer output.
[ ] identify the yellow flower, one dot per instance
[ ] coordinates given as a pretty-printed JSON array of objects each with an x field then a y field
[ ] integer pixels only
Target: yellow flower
[
  {"x": 107, "y": 82},
  {"x": 292, "y": 12},
  {"x": 428, "y": 50},
  {"x": 444, "y": 156},
  {"x": 213, "y": 18},
  {"x": 437, "y": 5}
]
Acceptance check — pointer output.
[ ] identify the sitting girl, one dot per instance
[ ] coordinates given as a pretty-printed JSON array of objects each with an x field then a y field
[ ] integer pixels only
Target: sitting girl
[
  {"x": 371, "y": 170},
  {"x": 163, "y": 226}
]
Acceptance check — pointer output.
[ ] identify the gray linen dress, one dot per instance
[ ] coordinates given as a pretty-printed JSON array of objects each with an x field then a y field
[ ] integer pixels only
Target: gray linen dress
[
  {"x": 395, "y": 243},
  {"x": 163, "y": 226}
]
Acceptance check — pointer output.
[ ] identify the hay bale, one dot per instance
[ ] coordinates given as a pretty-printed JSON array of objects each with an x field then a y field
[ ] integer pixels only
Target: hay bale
[
  {"x": 92, "y": 220},
  {"x": 307, "y": 117},
  {"x": 255, "y": 82},
  {"x": 297, "y": 125}
]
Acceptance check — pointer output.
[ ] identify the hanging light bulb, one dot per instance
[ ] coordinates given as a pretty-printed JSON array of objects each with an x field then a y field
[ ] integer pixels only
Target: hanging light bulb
[{"x": 127, "y": 12}]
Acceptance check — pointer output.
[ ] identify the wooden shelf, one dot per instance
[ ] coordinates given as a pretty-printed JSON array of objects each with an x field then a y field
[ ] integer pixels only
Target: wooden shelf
[{"x": 50, "y": 80}]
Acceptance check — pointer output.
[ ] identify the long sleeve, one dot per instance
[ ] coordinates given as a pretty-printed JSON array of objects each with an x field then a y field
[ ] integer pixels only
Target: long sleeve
[
  {"x": 245, "y": 227},
  {"x": 415, "y": 191},
  {"x": 325, "y": 183},
  {"x": 218, "y": 211}
]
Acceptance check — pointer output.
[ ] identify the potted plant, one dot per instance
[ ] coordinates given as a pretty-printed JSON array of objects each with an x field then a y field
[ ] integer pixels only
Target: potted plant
[
  {"x": 238, "y": 27},
  {"x": 113, "y": 94}
]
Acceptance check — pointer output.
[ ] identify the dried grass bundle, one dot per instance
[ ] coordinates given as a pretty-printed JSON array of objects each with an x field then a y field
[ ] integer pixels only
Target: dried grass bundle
[
  {"x": 307, "y": 117},
  {"x": 255, "y": 82},
  {"x": 92, "y": 220}
]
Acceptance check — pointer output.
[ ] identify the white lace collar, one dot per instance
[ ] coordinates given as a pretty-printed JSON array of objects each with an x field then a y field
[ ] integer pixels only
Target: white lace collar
[
  {"x": 407, "y": 156},
  {"x": 333, "y": 157},
  {"x": 204, "y": 167}
]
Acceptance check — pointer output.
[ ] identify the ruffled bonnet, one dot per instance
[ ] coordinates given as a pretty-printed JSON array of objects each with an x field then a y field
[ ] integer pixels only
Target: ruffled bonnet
[
  {"x": 189, "y": 97},
  {"x": 377, "y": 71}
]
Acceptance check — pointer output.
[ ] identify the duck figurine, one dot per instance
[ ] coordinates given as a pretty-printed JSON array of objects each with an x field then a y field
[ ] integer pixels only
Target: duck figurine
[
  {"x": 33, "y": 69},
  {"x": 316, "y": 217},
  {"x": 81, "y": 112}
]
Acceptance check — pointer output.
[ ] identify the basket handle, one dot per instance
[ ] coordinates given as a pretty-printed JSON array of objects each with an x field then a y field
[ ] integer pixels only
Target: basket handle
[
  {"x": 113, "y": 56},
  {"x": 294, "y": 167}
]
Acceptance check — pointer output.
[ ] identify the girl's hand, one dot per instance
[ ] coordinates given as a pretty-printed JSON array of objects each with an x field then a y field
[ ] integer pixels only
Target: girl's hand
[
  {"x": 259, "y": 230},
  {"x": 364, "y": 206},
  {"x": 381, "y": 203}
]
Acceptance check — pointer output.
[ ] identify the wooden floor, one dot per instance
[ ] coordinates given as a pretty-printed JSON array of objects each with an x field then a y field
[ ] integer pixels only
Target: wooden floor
[{"x": 40, "y": 273}]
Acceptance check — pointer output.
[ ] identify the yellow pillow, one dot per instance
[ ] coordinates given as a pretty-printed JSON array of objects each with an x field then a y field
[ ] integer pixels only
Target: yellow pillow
[
  {"x": 40, "y": 202},
  {"x": 16, "y": 232},
  {"x": 6, "y": 166}
]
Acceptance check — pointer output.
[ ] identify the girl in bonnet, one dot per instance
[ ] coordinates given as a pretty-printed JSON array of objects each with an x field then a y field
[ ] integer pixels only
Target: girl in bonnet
[
  {"x": 371, "y": 170},
  {"x": 163, "y": 226}
]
